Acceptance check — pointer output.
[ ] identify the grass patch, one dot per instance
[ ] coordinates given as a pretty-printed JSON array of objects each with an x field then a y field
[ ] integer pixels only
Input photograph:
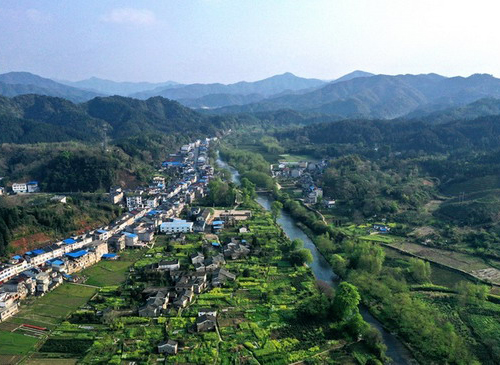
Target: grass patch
[
  {"x": 12, "y": 343},
  {"x": 106, "y": 273}
]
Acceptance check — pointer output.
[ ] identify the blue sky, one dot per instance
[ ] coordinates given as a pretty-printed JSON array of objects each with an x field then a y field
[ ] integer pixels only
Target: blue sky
[{"x": 231, "y": 40}]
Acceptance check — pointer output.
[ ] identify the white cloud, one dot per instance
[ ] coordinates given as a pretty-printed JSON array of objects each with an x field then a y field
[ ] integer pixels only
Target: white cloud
[{"x": 130, "y": 16}]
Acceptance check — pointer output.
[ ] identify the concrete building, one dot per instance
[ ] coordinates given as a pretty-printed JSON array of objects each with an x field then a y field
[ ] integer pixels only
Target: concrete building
[{"x": 176, "y": 226}]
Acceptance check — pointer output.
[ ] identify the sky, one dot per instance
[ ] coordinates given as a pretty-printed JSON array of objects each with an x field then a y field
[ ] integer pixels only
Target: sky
[{"x": 232, "y": 40}]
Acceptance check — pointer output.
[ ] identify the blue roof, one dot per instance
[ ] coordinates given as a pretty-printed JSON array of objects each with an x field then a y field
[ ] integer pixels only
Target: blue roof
[
  {"x": 172, "y": 163},
  {"x": 76, "y": 254},
  {"x": 69, "y": 241},
  {"x": 153, "y": 212},
  {"x": 29, "y": 253},
  {"x": 17, "y": 257},
  {"x": 130, "y": 234},
  {"x": 243, "y": 241},
  {"x": 102, "y": 231},
  {"x": 217, "y": 223},
  {"x": 32, "y": 182},
  {"x": 216, "y": 244},
  {"x": 57, "y": 262},
  {"x": 109, "y": 255},
  {"x": 38, "y": 252}
]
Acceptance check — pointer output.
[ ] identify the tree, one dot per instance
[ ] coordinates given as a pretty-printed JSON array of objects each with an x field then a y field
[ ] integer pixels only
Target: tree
[
  {"x": 248, "y": 188},
  {"x": 471, "y": 293},
  {"x": 220, "y": 193},
  {"x": 276, "y": 208},
  {"x": 296, "y": 244},
  {"x": 346, "y": 301},
  {"x": 301, "y": 257},
  {"x": 339, "y": 265},
  {"x": 420, "y": 270}
]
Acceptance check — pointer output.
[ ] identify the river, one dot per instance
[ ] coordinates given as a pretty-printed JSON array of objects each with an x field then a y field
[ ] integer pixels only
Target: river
[{"x": 323, "y": 271}]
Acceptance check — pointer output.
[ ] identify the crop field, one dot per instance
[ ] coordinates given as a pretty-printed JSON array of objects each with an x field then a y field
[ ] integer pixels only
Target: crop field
[
  {"x": 52, "y": 361},
  {"x": 378, "y": 238},
  {"x": 106, "y": 273},
  {"x": 457, "y": 260},
  {"x": 12, "y": 343},
  {"x": 52, "y": 308},
  {"x": 47, "y": 311},
  {"x": 295, "y": 158}
]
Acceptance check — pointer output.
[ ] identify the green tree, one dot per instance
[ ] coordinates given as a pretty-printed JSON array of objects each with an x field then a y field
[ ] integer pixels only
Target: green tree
[
  {"x": 301, "y": 257},
  {"x": 420, "y": 270},
  {"x": 346, "y": 301},
  {"x": 470, "y": 293},
  {"x": 276, "y": 208}
]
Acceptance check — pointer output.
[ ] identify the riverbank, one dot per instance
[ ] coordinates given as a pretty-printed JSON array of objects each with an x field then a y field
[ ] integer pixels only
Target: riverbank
[
  {"x": 387, "y": 288},
  {"x": 322, "y": 270}
]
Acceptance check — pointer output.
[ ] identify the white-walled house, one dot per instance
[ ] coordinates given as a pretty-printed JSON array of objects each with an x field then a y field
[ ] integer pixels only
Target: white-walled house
[
  {"x": 19, "y": 188},
  {"x": 176, "y": 226}
]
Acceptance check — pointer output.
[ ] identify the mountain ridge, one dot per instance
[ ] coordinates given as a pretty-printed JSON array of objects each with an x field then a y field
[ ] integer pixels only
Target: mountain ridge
[
  {"x": 19, "y": 83},
  {"x": 382, "y": 96}
]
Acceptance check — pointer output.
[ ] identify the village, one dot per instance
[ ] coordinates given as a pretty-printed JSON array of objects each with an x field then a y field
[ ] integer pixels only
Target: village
[
  {"x": 193, "y": 272},
  {"x": 151, "y": 210}
]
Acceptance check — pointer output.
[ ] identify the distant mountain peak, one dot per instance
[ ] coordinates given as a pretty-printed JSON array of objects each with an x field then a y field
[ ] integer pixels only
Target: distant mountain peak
[{"x": 353, "y": 75}]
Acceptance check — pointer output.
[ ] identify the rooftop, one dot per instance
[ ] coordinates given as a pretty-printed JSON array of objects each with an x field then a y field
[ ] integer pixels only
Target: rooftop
[{"x": 77, "y": 254}]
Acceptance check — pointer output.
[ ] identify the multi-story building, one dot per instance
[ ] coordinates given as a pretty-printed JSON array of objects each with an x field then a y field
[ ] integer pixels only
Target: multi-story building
[
  {"x": 134, "y": 202},
  {"x": 176, "y": 226},
  {"x": 19, "y": 188}
]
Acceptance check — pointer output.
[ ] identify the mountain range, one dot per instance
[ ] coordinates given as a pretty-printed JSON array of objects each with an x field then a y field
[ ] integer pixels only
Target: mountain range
[
  {"x": 19, "y": 83},
  {"x": 383, "y": 96},
  {"x": 108, "y": 87},
  {"x": 356, "y": 95}
]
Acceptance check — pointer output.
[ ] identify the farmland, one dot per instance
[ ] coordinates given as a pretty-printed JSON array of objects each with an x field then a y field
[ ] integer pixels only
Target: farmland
[
  {"x": 257, "y": 313},
  {"x": 47, "y": 311},
  {"x": 106, "y": 273}
]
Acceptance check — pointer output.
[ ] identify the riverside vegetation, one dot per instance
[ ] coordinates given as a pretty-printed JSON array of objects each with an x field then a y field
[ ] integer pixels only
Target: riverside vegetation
[{"x": 453, "y": 323}]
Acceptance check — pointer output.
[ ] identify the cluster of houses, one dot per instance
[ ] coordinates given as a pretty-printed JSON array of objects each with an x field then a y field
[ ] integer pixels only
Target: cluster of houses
[
  {"x": 208, "y": 271},
  {"x": 205, "y": 321},
  {"x": 191, "y": 164},
  {"x": 184, "y": 285},
  {"x": 38, "y": 271},
  {"x": 302, "y": 173},
  {"x": 296, "y": 169}
]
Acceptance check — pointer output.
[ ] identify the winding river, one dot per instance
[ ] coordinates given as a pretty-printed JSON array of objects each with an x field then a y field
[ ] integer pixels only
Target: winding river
[{"x": 323, "y": 271}]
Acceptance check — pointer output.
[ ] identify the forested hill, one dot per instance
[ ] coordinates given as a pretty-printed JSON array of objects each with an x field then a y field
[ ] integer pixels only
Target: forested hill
[
  {"x": 404, "y": 135},
  {"x": 38, "y": 118}
]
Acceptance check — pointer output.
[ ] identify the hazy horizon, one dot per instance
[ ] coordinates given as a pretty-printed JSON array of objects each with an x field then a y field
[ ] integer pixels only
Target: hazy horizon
[{"x": 224, "y": 41}]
